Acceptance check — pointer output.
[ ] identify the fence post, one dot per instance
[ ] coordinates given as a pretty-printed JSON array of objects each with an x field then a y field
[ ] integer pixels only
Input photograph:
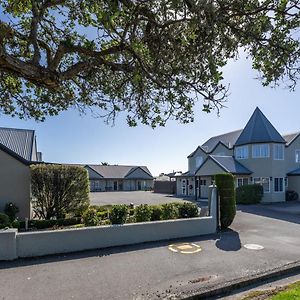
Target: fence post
[{"x": 213, "y": 204}]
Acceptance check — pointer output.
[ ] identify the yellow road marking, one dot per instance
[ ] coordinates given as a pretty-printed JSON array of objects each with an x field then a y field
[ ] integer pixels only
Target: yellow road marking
[{"x": 185, "y": 248}]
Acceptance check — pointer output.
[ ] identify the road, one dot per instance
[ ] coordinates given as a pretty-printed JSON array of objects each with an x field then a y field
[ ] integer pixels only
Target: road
[{"x": 152, "y": 271}]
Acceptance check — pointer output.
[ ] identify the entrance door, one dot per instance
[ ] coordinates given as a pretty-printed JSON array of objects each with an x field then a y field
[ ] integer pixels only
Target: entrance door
[
  {"x": 115, "y": 185},
  {"x": 139, "y": 186},
  {"x": 121, "y": 186},
  {"x": 203, "y": 188}
]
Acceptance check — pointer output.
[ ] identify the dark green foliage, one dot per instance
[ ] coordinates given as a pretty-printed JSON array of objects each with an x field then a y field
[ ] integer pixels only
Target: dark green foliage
[
  {"x": 249, "y": 194},
  {"x": 44, "y": 224},
  {"x": 170, "y": 211},
  {"x": 4, "y": 221},
  {"x": 156, "y": 213},
  {"x": 188, "y": 210},
  {"x": 226, "y": 190},
  {"x": 118, "y": 214},
  {"x": 91, "y": 218},
  {"x": 153, "y": 60},
  {"x": 11, "y": 210},
  {"x": 15, "y": 224},
  {"x": 59, "y": 190},
  {"x": 143, "y": 213},
  {"x": 291, "y": 196}
]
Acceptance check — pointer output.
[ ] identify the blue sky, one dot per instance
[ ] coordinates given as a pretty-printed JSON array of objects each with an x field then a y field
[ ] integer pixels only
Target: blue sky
[{"x": 71, "y": 138}]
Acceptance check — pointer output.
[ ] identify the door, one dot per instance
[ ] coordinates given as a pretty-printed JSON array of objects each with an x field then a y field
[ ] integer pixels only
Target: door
[
  {"x": 203, "y": 188},
  {"x": 115, "y": 185},
  {"x": 139, "y": 185}
]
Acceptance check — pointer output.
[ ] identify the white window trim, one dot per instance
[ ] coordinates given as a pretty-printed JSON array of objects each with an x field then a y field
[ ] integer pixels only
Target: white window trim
[
  {"x": 274, "y": 146},
  {"x": 242, "y": 147},
  {"x": 253, "y": 156},
  {"x": 283, "y": 185},
  {"x": 296, "y": 156}
]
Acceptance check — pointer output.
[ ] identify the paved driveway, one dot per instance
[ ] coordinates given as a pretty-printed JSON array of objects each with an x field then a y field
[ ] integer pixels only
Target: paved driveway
[
  {"x": 136, "y": 197},
  {"x": 151, "y": 270}
]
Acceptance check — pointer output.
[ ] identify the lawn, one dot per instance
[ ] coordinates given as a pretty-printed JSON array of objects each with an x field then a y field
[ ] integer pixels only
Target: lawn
[{"x": 288, "y": 292}]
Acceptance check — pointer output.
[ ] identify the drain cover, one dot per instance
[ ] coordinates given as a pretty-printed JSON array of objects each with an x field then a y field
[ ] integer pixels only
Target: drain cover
[
  {"x": 185, "y": 248},
  {"x": 253, "y": 247}
]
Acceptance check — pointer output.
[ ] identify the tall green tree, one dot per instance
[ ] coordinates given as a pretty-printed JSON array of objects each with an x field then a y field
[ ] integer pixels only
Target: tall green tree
[{"x": 151, "y": 59}]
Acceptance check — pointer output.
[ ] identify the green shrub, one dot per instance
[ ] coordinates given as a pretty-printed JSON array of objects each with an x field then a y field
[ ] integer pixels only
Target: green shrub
[
  {"x": 188, "y": 210},
  {"x": 226, "y": 190},
  {"x": 4, "y": 221},
  {"x": 42, "y": 224},
  {"x": 11, "y": 210},
  {"x": 90, "y": 217},
  {"x": 170, "y": 211},
  {"x": 58, "y": 190},
  {"x": 156, "y": 213},
  {"x": 15, "y": 224},
  {"x": 118, "y": 214},
  {"x": 143, "y": 213},
  {"x": 102, "y": 215},
  {"x": 249, "y": 194}
]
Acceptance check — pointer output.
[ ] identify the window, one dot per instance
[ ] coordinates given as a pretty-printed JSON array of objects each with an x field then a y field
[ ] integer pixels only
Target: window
[
  {"x": 202, "y": 182},
  {"x": 286, "y": 182},
  {"x": 264, "y": 181},
  {"x": 278, "y": 185},
  {"x": 278, "y": 152},
  {"x": 199, "y": 160},
  {"x": 260, "y": 151},
  {"x": 297, "y": 156},
  {"x": 241, "y": 181},
  {"x": 241, "y": 152}
]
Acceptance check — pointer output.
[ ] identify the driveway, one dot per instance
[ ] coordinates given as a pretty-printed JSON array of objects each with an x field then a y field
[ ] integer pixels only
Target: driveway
[
  {"x": 136, "y": 197},
  {"x": 151, "y": 270}
]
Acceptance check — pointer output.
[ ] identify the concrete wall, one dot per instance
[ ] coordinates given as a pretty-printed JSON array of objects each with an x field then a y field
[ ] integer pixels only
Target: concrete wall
[
  {"x": 14, "y": 184},
  {"x": 30, "y": 244}
]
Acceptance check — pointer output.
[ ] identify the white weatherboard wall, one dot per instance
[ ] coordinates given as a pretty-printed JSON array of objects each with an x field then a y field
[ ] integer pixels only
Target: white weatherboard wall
[{"x": 29, "y": 244}]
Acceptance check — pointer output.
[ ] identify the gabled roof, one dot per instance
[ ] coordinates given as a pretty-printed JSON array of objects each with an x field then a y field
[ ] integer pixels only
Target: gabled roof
[
  {"x": 289, "y": 138},
  {"x": 18, "y": 143},
  {"x": 294, "y": 172},
  {"x": 259, "y": 130},
  {"x": 230, "y": 165},
  {"x": 116, "y": 171},
  {"x": 227, "y": 139}
]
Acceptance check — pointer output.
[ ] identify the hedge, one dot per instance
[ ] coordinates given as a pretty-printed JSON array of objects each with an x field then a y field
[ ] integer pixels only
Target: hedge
[
  {"x": 249, "y": 194},
  {"x": 226, "y": 190}
]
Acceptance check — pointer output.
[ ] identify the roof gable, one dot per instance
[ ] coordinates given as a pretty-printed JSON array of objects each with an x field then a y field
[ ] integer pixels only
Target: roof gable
[
  {"x": 259, "y": 130},
  {"x": 19, "y": 143},
  {"x": 290, "y": 138}
]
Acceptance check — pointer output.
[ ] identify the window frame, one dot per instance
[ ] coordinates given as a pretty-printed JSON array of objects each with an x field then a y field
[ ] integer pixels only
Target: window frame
[
  {"x": 245, "y": 153},
  {"x": 260, "y": 182},
  {"x": 243, "y": 179},
  {"x": 282, "y": 185},
  {"x": 297, "y": 161},
  {"x": 260, "y": 151},
  {"x": 274, "y": 151},
  {"x": 196, "y": 161}
]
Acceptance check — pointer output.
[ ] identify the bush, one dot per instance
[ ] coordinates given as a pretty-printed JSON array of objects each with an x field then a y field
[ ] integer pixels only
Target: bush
[
  {"x": 143, "y": 213},
  {"x": 188, "y": 210},
  {"x": 15, "y": 224},
  {"x": 226, "y": 190},
  {"x": 90, "y": 217},
  {"x": 118, "y": 214},
  {"x": 249, "y": 194},
  {"x": 58, "y": 190},
  {"x": 44, "y": 224},
  {"x": 11, "y": 210},
  {"x": 4, "y": 221},
  {"x": 170, "y": 211},
  {"x": 156, "y": 213}
]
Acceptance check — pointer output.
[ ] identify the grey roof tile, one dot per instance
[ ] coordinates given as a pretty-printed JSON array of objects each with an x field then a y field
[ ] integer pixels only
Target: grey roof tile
[
  {"x": 229, "y": 164},
  {"x": 259, "y": 130},
  {"x": 294, "y": 172},
  {"x": 19, "y": 141},
  {"x": 116, "y": 171},
  {"x": 289, "y": 138}
]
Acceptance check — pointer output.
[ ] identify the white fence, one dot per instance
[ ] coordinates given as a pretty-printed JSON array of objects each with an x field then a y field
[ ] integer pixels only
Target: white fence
[{"x": 30, "y": 244}]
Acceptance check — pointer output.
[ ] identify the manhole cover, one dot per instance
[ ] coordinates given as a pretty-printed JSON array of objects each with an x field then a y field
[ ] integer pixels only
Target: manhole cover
[
  {"x": 253, "y": 247},
  {"x": 185, "y": 248}
]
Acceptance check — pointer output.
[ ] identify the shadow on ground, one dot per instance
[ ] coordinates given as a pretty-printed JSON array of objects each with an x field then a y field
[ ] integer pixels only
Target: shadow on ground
[
  {"x": 287, "y": 211},
  {"x": 22, "y": 262},
  {"x": 229, "y": 240}
]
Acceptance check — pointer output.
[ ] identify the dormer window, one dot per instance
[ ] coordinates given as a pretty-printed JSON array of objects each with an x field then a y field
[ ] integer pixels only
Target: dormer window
[
  {"x": 260, "y": 151},
  {"x": 241, "y": 152}
]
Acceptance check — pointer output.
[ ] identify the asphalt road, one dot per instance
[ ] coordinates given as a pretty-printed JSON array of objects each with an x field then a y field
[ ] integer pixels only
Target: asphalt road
[
  {"x": 136, "y": 197},
  {"x": 152, "y": 271}
]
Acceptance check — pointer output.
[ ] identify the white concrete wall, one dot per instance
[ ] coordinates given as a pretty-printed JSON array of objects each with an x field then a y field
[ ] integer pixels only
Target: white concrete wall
[{"x": 29, "y": 244}]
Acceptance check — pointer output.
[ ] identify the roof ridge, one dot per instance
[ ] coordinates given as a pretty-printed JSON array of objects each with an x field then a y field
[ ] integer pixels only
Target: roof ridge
[{"x": 20, "y": 129}]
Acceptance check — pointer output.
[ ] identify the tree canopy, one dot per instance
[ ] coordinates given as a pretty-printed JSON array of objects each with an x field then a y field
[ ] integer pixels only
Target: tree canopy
[{"x": 152, "y": 59}]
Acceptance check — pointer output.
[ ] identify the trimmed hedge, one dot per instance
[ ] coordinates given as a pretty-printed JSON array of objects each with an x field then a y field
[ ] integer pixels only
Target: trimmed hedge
[
  {"x": 226, "y": 190},
  {"x": 118, "y": 214},
  {"x": 188, "y": 210},
  {"x": 4, "y": 221},
  {"x": 249, "y": 194},
  {"x": 143, "y": 213},
  {"x": 43, "y": 224}
]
